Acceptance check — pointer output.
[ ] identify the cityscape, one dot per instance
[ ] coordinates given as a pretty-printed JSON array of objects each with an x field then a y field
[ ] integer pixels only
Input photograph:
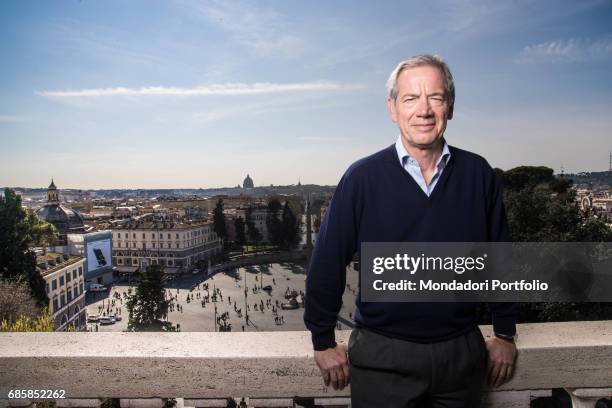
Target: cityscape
[{"x": 166, "y": 169}]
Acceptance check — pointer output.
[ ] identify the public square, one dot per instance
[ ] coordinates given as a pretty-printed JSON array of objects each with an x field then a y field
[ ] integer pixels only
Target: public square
[{"x": 230, "y": 289}]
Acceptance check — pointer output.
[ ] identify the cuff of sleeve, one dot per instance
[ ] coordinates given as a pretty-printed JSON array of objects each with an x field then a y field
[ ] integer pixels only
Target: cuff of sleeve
[
  {"x": 506, "y": 326},
  {"x": 325, "y": 340}
]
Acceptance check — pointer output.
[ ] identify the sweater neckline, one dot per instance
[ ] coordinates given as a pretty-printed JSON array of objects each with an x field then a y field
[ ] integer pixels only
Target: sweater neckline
[{"x": 391, "y": 156}]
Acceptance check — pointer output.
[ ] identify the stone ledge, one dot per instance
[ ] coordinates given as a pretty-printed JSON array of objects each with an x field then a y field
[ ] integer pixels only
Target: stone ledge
[{"x": 260, "y": 365}]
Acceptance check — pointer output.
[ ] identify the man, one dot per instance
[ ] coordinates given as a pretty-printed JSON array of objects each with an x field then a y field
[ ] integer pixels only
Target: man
[{"x": 422, "y": 190}]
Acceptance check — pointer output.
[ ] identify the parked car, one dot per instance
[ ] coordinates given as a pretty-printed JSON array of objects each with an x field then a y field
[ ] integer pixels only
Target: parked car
[
  {"x": 107, "y": 320},
  {"x": 116, "y": 317},
  {"x": 195, "y": 271},
  {"x": 93, "y": 318},
  {"x": 96, "y": 287}
]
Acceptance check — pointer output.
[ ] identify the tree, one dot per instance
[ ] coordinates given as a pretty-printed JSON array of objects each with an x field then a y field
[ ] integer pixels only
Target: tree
[
  {"x": 273, "y": 221},
  {"x": 148, "y": 305},
  {"x": 252, "y": 232},
  {"x": 16, "y": 301},
  {"x": 41, "y": 323},
  {"x": 219, "y": 220},
  {"x": 19, "y": 231},
  {"x": 543, "y": 208},
  {"x": 239, "y": 225},
  {"x": 290, "y": 229}
]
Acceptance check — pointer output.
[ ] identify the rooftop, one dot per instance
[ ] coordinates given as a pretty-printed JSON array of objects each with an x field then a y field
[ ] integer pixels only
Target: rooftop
[{"x": 52, "y": 262}]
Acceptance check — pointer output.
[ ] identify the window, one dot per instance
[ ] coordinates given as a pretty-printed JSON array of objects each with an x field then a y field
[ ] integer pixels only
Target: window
[
  {"x": 154, "y": 245},
  {"x": 169, "y": 236},
  {"x": 47, "y": 288},
  {"x": 126, "y": 235},
  {"x": 55, "y": 304},
  {"x": 53, "y": 284},
  {"x": 80, "y": 271},
  {"x": 134, "y": 235},
  {"x": 67, "y": 276},
  {"x": 81, "y": 287},
  {"x": 143, "y": 235},
  {"x": 177, "y": 236},
  {"x": 120, "y": 261},
  {"x": 61, "y": 281},
  {"x": 63, "y": 299},
  {"x": 177, "y": 244},
  {"x": 133, "y": 245},
  {"x": 74, "y": 272},
  {"x": 153, "y": 235},
  {"x": 134, "y": 261},
  {"x": 69, "y": 295}
]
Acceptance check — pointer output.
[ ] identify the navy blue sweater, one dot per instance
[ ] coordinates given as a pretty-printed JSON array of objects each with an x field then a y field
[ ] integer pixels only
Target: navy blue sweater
[{"x": 378, "y": 201}]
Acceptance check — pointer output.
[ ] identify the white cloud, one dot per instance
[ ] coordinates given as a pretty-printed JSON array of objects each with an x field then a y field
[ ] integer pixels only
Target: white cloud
[
  {"x": 570, "y": 50},
  {"x": 266, "y": 32},
  {"x": 229, "y": 89},
  {"x": 13, "y": 118}
]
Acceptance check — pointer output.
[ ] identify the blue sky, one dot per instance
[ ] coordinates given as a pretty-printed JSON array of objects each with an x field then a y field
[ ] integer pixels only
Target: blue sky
[{"x": 169, "y": 94}]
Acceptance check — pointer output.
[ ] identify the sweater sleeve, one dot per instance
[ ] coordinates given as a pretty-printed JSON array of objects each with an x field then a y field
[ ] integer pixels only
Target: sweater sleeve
[
  {"x": 334, "y": 248},
  {"x": 504, "y": 314}
]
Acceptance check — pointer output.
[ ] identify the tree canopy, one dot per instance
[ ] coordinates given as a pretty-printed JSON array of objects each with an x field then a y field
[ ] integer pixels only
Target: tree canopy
[
  {"x": 19, "y": 231},
  {"x": 148, "y": 306}
]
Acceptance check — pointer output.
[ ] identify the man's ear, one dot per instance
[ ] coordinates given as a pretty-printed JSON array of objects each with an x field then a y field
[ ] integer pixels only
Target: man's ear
[{"x": 392, "y": 109}]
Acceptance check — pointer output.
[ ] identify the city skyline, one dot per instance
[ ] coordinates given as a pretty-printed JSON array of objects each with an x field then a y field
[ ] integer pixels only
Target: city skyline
[{"x": 182, "y": 94}]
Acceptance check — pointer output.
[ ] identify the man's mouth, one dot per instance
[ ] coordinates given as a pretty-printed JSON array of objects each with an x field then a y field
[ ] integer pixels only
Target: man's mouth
[{"x": 425, "y": 127}]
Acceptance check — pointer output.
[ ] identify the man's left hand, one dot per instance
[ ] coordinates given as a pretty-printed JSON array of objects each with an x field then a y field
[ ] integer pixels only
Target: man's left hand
[{"x": 500, "y": 362}]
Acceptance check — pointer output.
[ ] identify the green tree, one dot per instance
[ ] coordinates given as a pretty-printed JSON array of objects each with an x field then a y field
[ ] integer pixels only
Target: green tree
[
  {"x": 273, "y": 222},
  {"x": 290, "y": 228},
  {"x": 148, "y": 306},
  {"x": 239, "y": 225},
  {"x": 41, "y": 323},
  {"x": 18, "y": 232},
  {"x": 219, "y": 220},
  {"x": 253, "y": 233},
  {"x": 543, "y": 208}
]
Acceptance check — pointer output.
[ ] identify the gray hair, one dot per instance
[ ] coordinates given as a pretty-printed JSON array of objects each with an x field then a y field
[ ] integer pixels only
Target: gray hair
[{"x": 423, "y": 60}]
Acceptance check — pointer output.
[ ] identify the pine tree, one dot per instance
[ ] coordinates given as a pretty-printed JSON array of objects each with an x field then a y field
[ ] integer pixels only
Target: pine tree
[
  {"x": 252, "y": 232},
  {"x": 148, "y": 306},
  {"x": 240, "y": 231},
  {"x": 273, "y": 222},
  {"x": 290, "y": 229},
  {"x": 19, "y": 231},
  {"x": 219, "y": 220}
]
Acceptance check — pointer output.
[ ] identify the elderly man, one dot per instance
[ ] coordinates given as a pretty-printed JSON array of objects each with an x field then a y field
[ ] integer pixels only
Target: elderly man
[{"x": 419, "y": 189}]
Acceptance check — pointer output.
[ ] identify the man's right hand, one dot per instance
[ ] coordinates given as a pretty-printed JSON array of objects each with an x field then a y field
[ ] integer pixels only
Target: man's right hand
[{"x": 333, "y": 364}]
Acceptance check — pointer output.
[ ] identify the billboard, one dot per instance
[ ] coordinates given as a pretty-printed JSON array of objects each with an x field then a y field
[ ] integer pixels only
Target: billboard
[{"x": 98, "y": 254}]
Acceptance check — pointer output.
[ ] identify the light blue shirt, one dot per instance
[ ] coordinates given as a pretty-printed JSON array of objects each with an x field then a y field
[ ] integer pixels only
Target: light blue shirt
[{"x": 412, "y": 166}]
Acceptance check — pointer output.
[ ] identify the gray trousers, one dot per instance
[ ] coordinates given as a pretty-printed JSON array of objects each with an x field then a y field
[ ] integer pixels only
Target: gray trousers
[{"x": 388, "y": 372}]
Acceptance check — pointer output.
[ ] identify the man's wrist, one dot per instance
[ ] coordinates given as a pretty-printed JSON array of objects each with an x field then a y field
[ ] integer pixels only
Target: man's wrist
[{"x": 506, "y": 337}]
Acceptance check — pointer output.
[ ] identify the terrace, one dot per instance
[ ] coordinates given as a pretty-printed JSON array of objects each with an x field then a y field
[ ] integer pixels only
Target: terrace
[{"x": 269, "y": 369}]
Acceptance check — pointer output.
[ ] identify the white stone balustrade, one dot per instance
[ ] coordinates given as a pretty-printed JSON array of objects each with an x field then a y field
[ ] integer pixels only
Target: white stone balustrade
[{"x": 270, "y": 368}]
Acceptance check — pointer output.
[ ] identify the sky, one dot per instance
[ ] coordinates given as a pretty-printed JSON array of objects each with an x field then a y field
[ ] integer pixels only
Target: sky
[{"x": 187, "y": 94}]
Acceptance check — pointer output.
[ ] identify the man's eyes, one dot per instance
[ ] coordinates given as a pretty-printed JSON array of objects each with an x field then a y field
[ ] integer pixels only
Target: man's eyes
[{"x": 437, "y": 99}]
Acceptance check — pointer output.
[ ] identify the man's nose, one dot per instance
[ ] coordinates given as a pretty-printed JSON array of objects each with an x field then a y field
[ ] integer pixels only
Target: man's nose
[{"x": 423, "y": 107}]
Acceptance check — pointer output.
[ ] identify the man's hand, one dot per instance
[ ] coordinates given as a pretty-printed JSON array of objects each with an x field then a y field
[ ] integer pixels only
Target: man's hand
[
  {"x": 500, "y": 362},
  {"x": 334, "y": 366}
]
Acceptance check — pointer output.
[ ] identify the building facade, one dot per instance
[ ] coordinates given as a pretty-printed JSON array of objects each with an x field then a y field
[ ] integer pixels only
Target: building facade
[
  {"x": 65, "y": 286},
  {"x": 178, "y": 246}
]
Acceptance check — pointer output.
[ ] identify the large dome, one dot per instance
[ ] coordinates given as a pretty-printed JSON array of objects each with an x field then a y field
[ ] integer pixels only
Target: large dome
[
  {"x": 248, "y": 182},
  {"x": 65, "y": 220}
]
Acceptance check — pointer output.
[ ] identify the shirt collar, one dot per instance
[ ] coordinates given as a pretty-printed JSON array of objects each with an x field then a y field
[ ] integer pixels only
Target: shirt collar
[{"x": 404, "y": 156}]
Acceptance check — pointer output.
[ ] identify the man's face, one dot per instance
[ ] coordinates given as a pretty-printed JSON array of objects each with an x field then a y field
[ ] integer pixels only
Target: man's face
[{"x": 421, "y": 108}]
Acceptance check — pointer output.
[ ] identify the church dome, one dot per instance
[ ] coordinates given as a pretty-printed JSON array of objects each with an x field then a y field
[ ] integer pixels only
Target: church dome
[
  {"x": 248, "y": 182},
  {"x": 65, "y": 220}
]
